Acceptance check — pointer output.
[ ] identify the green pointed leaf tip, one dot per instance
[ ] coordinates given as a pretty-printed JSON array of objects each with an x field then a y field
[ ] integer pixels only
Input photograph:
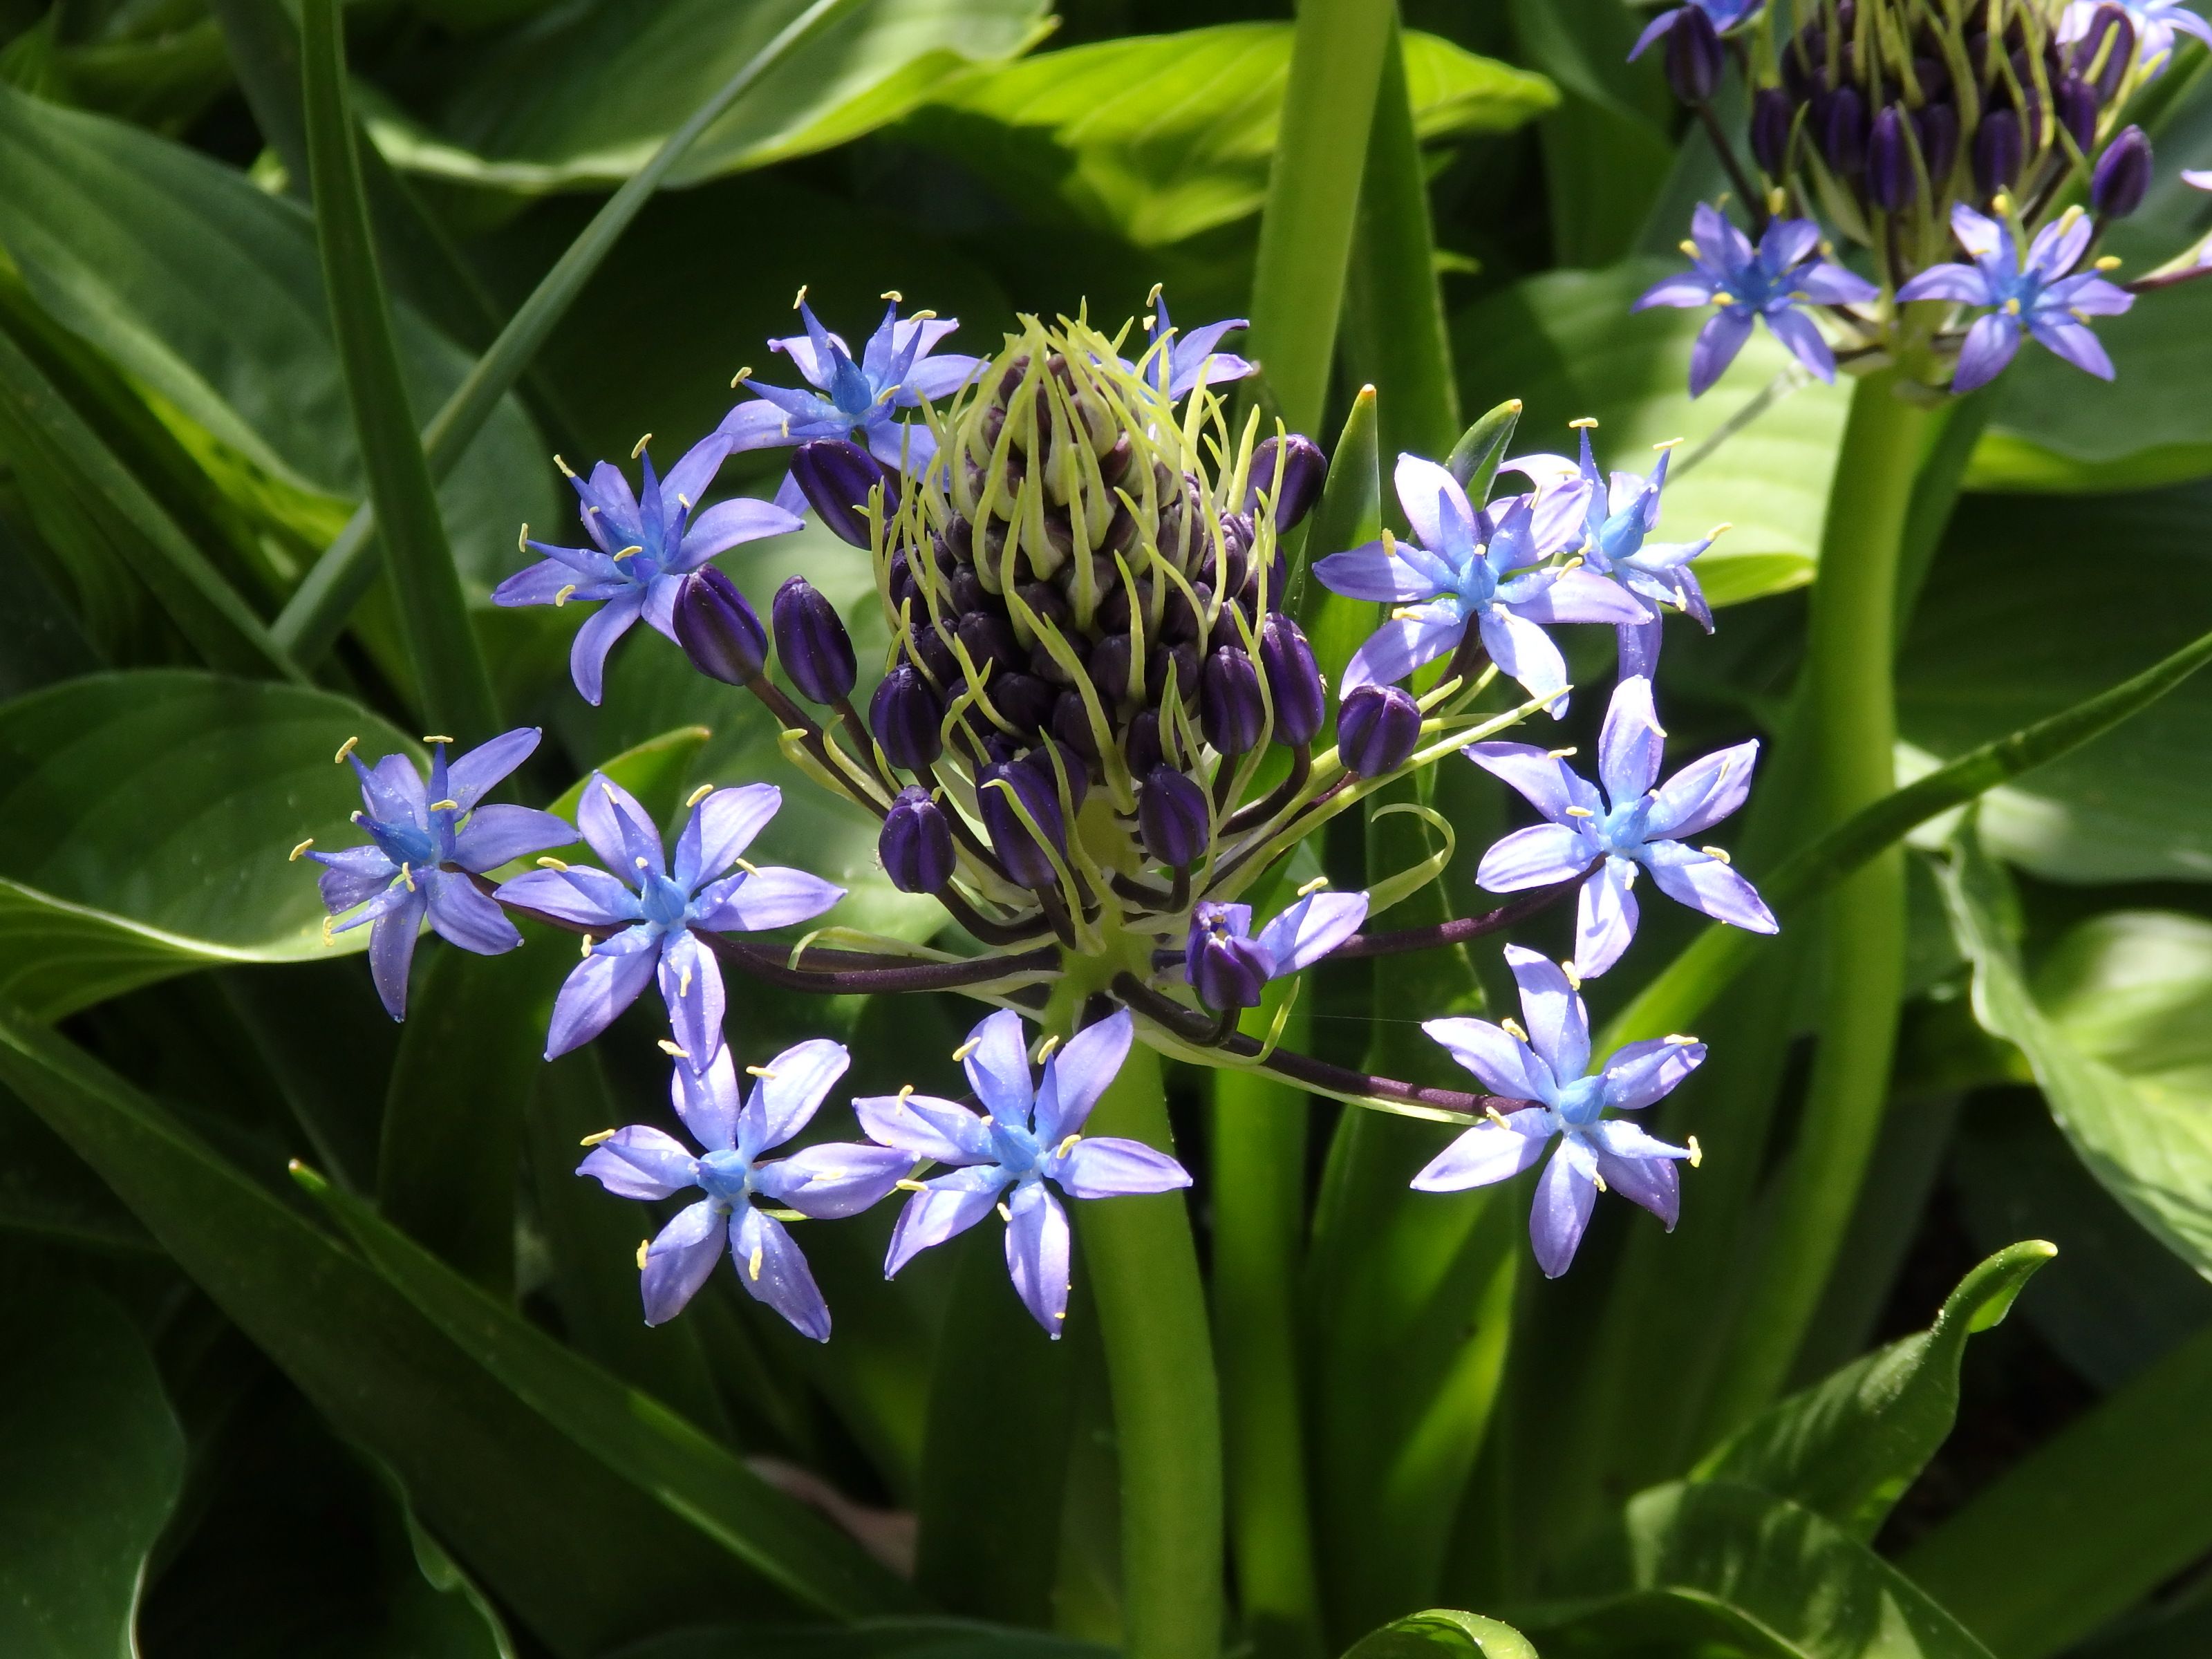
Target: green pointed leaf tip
[
  {"x": 145, "y": 820},
  {"x": 1848, "y": 1447},
  {"x": 1443, "y": 1633},
  {"x": 1474, "y": 459}
]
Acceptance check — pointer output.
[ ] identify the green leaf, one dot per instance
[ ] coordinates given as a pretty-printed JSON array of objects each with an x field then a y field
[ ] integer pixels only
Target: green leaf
[
  {"x": 144, "y": 823},
  {"x": 2089, "y": 1523},
  {"x": 901, "y": 1638},
  {"x": 1350, "y": 512},
  {"x": 2145, "y": 1133},
  {"x": 554, "y": 105},
  {"x": 1757, "y": 449},
  {"x": 91, "y": 1462},
  {"x": 1759, "y": 1576},
  {"x": 2007, "y": 633},
  {"x": 451, "y": 679},
  {"x": 46, "y": 1192},
  {"x": 536, "y": 1505},
  {"x": 1848, "y": 1447},
  {"x": 207, "y": 291},
  {"x": 655, "y": 771},
  {"x": 1144, "y": 137},
  {"x": 1441, "y": 1634}
]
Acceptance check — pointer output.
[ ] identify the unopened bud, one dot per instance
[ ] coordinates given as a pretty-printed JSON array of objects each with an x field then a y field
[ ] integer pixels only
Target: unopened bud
[
  {"x": 1695, "y": 57},
  {"x": 1230, "y": 709},
  {"x": 1293, "y": 681},
  {"x": 2122, "y": 175},
  {"x": 1842, "y": 120},
  {"x": 718, "y": 629},
  {"x": 2107, "y": 66},
  {"x": 916, "y": 843},
  {"x": 1304, "y": 469},
  {"x": 908, "y": 717},
  {"x": 1938, "y": 127},
  {"x": 1172, "y": 816},
  {"x": 811, "y": 642},
  {"x": 1997, "y": 151},
  {"x": 1891, "y": 182},
  {"x": 1772, "y": 113},
  {"x": 837, "y": 477},
  {"x": 2077, "y": 105},
  {"x": 1376, "y": 729},
  {"x": 1018, "y": 848}
]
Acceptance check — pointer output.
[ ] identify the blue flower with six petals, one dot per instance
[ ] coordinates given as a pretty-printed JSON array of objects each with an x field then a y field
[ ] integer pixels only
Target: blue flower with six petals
[{"x": 2032, "y": 296}]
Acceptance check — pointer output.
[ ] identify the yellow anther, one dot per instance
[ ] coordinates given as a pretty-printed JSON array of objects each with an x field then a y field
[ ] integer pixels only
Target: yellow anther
[
  {"x": 1688, "y": 247},
  {"x": 893, "y": 296},
  {"x": 555, "y": 864},
  {"x": 672, "y": 1051},
  {"x": 1697, "y": 1153},
  {"x": 625, "y": 553},
  {"x": 753, "y": 1265},
  {"x": 1006, "y": 1215},
  {"x": 698, "y": 794},
  {"x": 1390, "y": 543},
  {"x": 1599, "y": 1180},
  {"x": 1580, "y": 812},
  {"x": 683, "y": 983},
  {"x": 906, "y": 1091},
  {"x": 638, "y": 448},
  {"x": 329, "y": 924},
  {"x": 2001, "y": 201},
  {"x": 407, "y": 875},
  {"x": 1065, "y": 1147},
  {"x": 345, "y": 749},
  {"x": 445, "y": 806},
  {"x": 1313, "y": 886},
  {"x": 2012, "y": 308},
  {"x": 1580, "y": 421},
  {"x": 1574, "y": 979},
  {"x": 586, "y": 946},
  {"x": 682, "y": 501},
  {"x": 2071, "y": 217},
  {"x": 798, "y": 299},
  {"x": 1720, "y": 530},
  {"x": 1664, "y": 445},
  {"x": 435, "y": 738},
  {"x": 909, "y": 1186},
  {"x": 1496, "y": 1116},
  {"x": 641, "y": 861},
  {"x": 603, "y": 1135},
  {"x": 1776, "y": 199},
  {"x": 1512, "y": 1028},
  {"x": 564, "y": 466},
  {"x": 1046, "y": 1048},
  {"x": 750, "y": 868},
  {"x": 2110, "y": 262},
  {"x": 303, "y": 847},
  {"x": 1060, "y": 1314},
  {"x": 766, "y": 1073},
  {"x": 644, "y": 1245},
  {"x": 741, "y": 377},
  {"x": 1679, "y": 1040},
  {"x": 522, "y": 539},
  {"x": 1568, "y": 753},
  {"x": 354, "y": 816},
  {"x": 1723, "y": 297},
  {"x": 1719, "y": 853},
  {"x": 967, "y": 1048}
]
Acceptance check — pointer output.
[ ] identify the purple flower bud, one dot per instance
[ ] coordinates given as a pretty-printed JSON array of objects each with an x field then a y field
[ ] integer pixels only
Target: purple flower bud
[
  {"x": 1305, "y": 469},
  {"x": 1230, "y": 709},
  {"x": 1227, "y": 970},
  {"x": 2122, "y": 175},
  {"x": 1071, "y": 724},
  {"x": 718, "y": 629},
  {"x": 916, "y": 843},
  {"x": 1025, "y": 700},
  {"x": 2076, "y": 101},
  {"x": 814, "y": 649},
  {"x": 908, "y": 717},
  {"x": 1772, "y": 114},
  {"x": 1141, "y": 746},
  {"x": 1891, "y": 182},
  {"x": 1293, "y": 680},
  {"x": 1038, "y": 762},
  {"x": 1843, "y": 128},
  {"x": 1018, "y": 848},
  {"x": 2108, "y": 22},
  {"x": 1997, "y": 151},
  {"x": 1376, "y": 729},
  {"x": 1695, "y": 57},
  {"x": 1938, "y": 127},
  {"x": 835, "y": 477},
  {"x": 1172, "y": 816}
]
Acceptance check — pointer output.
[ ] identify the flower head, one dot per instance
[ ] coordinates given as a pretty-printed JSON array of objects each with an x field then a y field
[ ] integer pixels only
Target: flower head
[
  {"x": 642, "y": 919},
  {"x": 1770, "y": 282},
  {"x": 642, "y": 547},
  {"x": 2155, "y": 23},
  {"x": 1025, "y": 1136},
  {"x": 1229, "y": 966},
  {"x": 426, "y": 844},
  {"x": 1545, "y": 1066},
  {"x": 820, "y": 1183},
  {"x": 856, "y": 398},
  {"x": 1490, "y": 570},
  {"x": 1606, "y": 839},
  {"x": 2032, "y": 295}
]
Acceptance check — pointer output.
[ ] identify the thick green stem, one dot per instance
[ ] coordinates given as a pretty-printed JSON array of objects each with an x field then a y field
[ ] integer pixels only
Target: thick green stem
[
  {"x": 1259, "y": 1236},
  {"x": 1850, "y": 649},
  {"x": 1143, "y": 1268}
]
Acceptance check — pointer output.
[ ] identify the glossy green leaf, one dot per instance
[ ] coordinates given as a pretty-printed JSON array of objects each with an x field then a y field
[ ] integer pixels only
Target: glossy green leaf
[
  {"x": 554, "y": 106},
  {"x": 207, "y": 291},
  {"x": 2089, "y": 1523},
  {"x": 145, "y": 818},
  {"x": 540, "y": 1506},
  {"x": 1757, "y": 449},
  {"x": 1350, "y": 512},
  {"x": 1848, "y": 1447},
  {"x": 655, "y": 771},
  {"x": 1140, "y": 137},
  {"x": 1754, "y": 1574},
  {"x": 1441, "y": 1634},
  {"x": 91, "y": 1462},
  {"x": 2144, "y": 1132},
  {"x": 901, "y": 1638},
  {"x": 2007, "y": 633}
]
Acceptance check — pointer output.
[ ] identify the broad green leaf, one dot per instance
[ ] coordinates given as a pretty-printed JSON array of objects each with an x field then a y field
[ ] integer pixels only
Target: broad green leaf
[
  {"x": 2089, "y": 1523},
  {"x": 1756, "y": 1575},
  {"x": 1349, "y": 514},
  {"x": 556, "y": 105},
  {"x": 145, "y": 818},
  {"x": 206, "y": 291},
  {"x": 1757, "y": 450},
  {"x": 901, "y": 1638},
  {"x": 2132, "y": 990},
  {"x": 1157, "y": 138},
  {"x": 1441, "y": 1634},
  {"x": 539, "y": 1506},
  {"x": 46, "y": 1191},
  {"x": 2147, "y": 1137},
  {"x": 91, "y": 1462},
  {"x": 2008, "y": 632},
  {"x": 1848, "y": 1447},
  {"x": 655, "y": 771}
]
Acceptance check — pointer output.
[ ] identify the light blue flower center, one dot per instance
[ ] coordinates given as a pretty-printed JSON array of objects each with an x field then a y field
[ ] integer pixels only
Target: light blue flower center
[
  {"x": 727, "y": 1177},
  {"x": 1016, "y": 1149},
  {"x": 1579, "y": 1103},
  {"x": 1622, "y": 830},
  {"x": 850, "y": 388},
  {"x": 665, "y": 905}
]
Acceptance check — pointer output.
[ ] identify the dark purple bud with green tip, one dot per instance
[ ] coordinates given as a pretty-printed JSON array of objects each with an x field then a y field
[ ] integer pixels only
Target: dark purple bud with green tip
[
  {"x": 1376, "y": 729},
  {"x": 1172, "y": 816},
  {"x": 1231, "y": 711},
  {"x": 1304, "y": 469},
  {"x": 1018, "y": 847},
  {"x": 2122, "y": 175},
  {"x": 1695, "y": 57},
  {"x": 836, "y": 476},
  {"x": 908, "y": 717},
  {"x": 718, "y": 631},
  {"x": 811, "y": 642},
  {"x": 916, "y": 843},
  {"x": 1293, "y": 681}
]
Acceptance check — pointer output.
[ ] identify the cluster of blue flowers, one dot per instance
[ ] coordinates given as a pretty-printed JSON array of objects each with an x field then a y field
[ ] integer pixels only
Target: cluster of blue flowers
[{"x": 1478, "y": 584}]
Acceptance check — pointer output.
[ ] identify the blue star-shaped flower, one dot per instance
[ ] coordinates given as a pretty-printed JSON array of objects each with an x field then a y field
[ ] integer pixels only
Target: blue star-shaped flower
[
  {"x": 643, "y": 921},
  {"x": 1489, "y": 570},
  {"x": 1632, "y": 826},
  {"x": 858, "y": 400},
  {"x": 1768, "y": 284},
  {"x": 1545, "y": 1066},
  {"x": 1187, "y": 361},
  {"x": 1024, "y": 1137},
  {"x": 821, "y": 1182},
  {"x": 1723, "y": 15},
  {"x": 642, "y": 547},
  {"x": 2034, "y": 295},
  {"x": 426, "y": 843}
]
